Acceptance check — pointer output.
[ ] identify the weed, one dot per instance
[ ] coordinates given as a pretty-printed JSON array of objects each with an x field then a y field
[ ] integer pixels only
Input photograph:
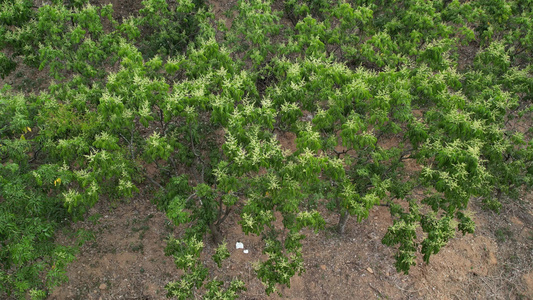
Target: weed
[
  {"x": 95, "y": 219},
  {"x": 141, "y": 228},
  {"x": 503, "y": 234},
  {"x": 84, "y": 236},
  {"x": 137, "y": 247}
]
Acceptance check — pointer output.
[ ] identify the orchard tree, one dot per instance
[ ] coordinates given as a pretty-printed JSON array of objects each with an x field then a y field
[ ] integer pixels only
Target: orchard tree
[{"x": 382, "y": 108}]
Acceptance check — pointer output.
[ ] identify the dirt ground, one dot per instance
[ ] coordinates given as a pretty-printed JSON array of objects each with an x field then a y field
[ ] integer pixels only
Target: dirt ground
[{"x": 126, "y": 259}]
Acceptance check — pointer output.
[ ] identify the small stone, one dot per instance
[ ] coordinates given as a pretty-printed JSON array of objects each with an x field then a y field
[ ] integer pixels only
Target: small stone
[
  {"x": 103, "y": 286},
  {"x": 369, "y": 269},
  {"x": 323, "y": 267}
]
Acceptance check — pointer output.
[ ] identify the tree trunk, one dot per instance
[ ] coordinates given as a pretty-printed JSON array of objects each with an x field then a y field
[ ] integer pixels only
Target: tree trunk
[
  {"x": 342, "y": 222},
  {"x": 215, "y": 234}
]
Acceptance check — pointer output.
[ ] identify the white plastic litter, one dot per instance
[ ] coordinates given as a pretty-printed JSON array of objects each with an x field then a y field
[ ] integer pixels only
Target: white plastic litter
[
  {"x": 245, "y": 251},
  {"x": 239, "y": 245}
]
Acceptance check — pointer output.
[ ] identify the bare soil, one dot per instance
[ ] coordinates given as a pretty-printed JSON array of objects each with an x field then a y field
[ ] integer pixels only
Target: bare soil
[{"x": 126, "y": 259}]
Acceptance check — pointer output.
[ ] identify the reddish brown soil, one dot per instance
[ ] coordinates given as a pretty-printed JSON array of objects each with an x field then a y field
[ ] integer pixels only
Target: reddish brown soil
[
  {"x": 126, "y": 259},
  {"x": 125, "y": 263}
]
